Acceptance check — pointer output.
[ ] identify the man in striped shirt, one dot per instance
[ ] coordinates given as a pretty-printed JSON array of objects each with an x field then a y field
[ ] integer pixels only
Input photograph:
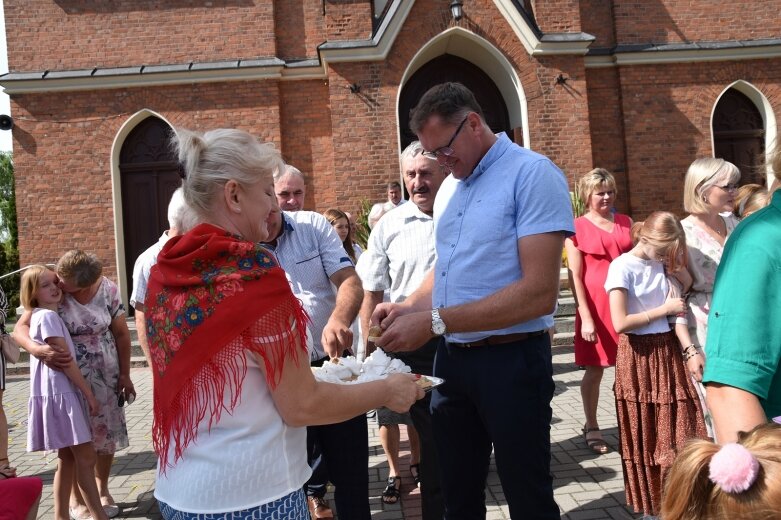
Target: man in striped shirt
[{"x": 400, "y": 252}]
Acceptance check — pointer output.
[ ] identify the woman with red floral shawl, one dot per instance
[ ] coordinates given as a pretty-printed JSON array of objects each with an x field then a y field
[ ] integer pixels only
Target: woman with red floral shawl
[{"x": 232, "y": 384}]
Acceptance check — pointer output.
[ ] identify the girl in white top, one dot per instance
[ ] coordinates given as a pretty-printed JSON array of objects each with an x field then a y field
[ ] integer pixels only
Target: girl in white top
[{"x": 656, "y": 402}]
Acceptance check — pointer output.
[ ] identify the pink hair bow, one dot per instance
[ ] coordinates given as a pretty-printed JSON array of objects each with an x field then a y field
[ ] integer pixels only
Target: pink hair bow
[{"x": 733, "y": 468}]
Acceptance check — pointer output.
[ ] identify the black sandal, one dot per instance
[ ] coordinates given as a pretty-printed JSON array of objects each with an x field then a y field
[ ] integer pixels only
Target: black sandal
[
  {"x": 391, "y": 493},
  {"x": 415, "y": 473}
]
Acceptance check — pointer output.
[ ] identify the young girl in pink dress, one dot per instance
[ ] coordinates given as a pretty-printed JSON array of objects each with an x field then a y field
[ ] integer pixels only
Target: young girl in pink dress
[{"x": 57, "y": 418}]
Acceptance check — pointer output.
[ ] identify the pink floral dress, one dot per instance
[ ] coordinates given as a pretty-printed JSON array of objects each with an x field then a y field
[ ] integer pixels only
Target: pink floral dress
[
  {"x": 704, "y": 257},
  {"x": 98, "y": 360}
]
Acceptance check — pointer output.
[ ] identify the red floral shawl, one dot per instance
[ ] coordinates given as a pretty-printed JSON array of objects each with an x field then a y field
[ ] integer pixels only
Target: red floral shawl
[{"x": 207, "y": 293}]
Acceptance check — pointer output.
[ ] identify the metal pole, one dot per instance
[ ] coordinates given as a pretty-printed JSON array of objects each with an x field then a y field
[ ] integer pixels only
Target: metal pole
[{"x": 22, "y": 269}]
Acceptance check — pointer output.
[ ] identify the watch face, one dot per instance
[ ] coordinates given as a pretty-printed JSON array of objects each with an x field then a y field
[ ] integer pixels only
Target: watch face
[
  {"x": 437, "y": 325},
  {"x": 438, "y": 328}
]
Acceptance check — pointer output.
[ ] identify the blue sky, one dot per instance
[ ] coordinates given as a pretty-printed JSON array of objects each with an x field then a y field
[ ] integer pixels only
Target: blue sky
[{"x": 5, "y": 104}]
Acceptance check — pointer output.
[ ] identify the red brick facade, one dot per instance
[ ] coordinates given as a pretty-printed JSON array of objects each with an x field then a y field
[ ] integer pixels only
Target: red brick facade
[{"x": 644, "y": 122}]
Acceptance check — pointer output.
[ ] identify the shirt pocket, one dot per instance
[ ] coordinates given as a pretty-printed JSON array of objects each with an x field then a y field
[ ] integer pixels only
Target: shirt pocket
[{"x": 309, "y": 272}]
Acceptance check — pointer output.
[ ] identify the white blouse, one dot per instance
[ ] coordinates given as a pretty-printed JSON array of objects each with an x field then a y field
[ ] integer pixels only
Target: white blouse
[{"x": 249, "y": 458}]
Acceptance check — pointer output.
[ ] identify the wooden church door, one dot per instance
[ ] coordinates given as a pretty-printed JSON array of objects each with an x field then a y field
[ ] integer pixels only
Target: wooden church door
[
  {"x": 149, "y": 176},
  {"x": 739, "y": 136}
]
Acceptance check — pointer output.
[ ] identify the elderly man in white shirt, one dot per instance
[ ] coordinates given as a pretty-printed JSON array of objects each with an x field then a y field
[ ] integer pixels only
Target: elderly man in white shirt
[
  {"x": 310, "y": 251},
  {"x": 180, "y": 220},
  {"x": 399, "y": 254}
]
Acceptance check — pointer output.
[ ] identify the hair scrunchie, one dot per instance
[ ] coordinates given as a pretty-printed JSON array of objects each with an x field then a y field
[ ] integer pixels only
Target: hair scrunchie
[{"x": 733, "y": 468}]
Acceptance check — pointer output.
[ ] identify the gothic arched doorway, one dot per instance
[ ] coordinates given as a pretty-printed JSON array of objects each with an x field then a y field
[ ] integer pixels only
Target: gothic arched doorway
[
  {"x": 148, "y": 176},
  {"x": 453, "y": 68},
  {"x": 739, "y": 135}
]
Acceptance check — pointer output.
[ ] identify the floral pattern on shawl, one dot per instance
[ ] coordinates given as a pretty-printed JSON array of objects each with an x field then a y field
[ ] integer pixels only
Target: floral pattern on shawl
[{"x": 179, "y": 311}]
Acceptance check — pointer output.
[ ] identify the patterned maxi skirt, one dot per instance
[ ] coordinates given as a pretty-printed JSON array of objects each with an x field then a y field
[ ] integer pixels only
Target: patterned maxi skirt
[{"x": 658, "y": 411}]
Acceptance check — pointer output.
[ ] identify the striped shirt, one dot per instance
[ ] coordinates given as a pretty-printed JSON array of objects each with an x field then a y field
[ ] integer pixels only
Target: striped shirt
[
  {"x": 310, "y": 251},
  {"x": 399, "y": 254}
]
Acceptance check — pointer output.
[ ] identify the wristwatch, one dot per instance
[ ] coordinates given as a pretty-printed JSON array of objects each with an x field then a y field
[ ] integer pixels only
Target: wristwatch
[{"x": 438, "y": 327}]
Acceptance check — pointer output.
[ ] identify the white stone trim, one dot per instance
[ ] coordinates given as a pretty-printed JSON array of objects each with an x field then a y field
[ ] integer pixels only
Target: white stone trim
[
  {"x": 655, "y": 57},
  {"x": 476, "y": 49}
]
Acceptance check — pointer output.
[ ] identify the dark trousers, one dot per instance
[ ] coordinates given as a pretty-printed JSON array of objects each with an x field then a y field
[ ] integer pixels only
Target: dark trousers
[
  {"x": 340, "y": 453},
  {"x": 421, "y": 361},
  {"x": 496, "y": 396}
]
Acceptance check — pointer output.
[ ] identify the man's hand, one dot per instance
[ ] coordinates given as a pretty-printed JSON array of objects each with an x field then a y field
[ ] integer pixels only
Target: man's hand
[
  {"x": 53, "y": 357},
  {"x": 337, "y": 337},
  {"x": 404, "y": 332}
]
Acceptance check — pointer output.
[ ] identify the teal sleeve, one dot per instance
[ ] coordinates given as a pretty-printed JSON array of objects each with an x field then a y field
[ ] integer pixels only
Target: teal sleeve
[{"x": 743, "y": 345}]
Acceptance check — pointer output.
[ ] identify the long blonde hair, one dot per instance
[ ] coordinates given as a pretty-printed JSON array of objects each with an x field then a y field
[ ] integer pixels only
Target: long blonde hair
[
  {"x": 662, "y": 231},
  {"x": 690, "y": 494},
  {"x": 31, "y": 280}
]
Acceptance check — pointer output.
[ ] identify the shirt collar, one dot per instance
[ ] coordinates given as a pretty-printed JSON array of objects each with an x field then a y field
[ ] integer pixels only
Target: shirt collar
[
  {"x": 494, "y": 153},
  {"x": 412, "y": 212},
  {"x": 288, "y": 223}
]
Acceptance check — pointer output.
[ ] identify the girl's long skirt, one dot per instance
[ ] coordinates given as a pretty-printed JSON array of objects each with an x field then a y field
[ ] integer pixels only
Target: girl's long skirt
[{"x": 658, "y": 411}]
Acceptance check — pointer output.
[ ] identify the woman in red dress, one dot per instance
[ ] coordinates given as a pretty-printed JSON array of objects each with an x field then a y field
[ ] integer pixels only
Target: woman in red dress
[{"x": 600, "y": 236}]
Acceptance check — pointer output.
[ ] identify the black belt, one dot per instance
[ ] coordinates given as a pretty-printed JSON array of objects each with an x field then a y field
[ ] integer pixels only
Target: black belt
[{"x": 500, "y": 339}]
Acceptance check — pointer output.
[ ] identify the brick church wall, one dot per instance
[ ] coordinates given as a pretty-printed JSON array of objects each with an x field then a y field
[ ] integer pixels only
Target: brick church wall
[
  {"x": 675, "y": 21},
  {"x": 62, "y": 154},
  {"x": 82, "y": 34}
]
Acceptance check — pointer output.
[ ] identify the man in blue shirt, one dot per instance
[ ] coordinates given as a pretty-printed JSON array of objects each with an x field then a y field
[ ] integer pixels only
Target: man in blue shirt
[
  {"x": 500, "y": 221},
  {"x": 322, "y": 276}
]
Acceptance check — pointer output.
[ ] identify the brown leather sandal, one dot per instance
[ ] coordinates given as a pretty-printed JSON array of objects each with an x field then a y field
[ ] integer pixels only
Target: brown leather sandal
[{"x": 598, "y": 446}]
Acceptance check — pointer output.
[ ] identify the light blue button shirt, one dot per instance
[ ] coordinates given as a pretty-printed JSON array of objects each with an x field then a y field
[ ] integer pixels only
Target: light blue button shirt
[
  {"x": 512, "y": 193},
  {"x": 310, "y": 252}
]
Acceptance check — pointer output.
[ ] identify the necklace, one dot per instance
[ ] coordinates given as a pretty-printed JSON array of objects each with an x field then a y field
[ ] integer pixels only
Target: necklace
[{"x": 713, "y": 229}]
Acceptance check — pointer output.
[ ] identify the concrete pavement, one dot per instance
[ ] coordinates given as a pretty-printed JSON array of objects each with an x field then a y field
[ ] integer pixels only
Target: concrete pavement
[{"x": 587, "y": 486}]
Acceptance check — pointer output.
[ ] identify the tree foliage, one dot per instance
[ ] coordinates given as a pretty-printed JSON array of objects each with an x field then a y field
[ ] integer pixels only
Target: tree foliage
[
  {"x": 9, "y": 233},
  {"x": 362, "y": 224}
]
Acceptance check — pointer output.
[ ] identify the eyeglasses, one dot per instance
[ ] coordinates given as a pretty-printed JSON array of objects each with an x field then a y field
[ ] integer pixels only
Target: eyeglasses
[
  {"x": 729, "y": 187},
  {"x": 445, "y": 152}
]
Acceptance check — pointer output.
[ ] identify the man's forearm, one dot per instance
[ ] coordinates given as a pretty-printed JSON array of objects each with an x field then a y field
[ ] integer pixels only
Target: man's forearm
[
  {"x": 142, "y": 339},
  {"x": 509, "y": 306},
  {"x": 349, "y": 296},
  {"x": 733, "y": 410}
]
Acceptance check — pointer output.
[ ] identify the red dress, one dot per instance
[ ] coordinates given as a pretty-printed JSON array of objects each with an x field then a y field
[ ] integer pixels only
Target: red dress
[{"x": 599, "y": 248}]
